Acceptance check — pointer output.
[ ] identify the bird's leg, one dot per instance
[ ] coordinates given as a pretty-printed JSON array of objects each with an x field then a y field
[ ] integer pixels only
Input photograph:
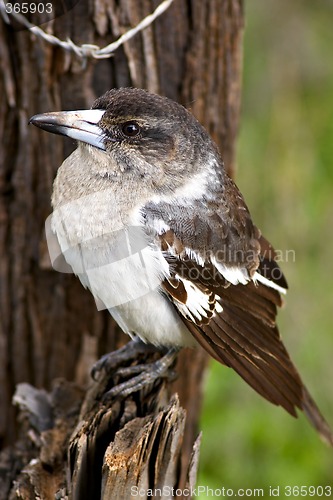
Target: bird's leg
[{"x": 138, "y": 376}]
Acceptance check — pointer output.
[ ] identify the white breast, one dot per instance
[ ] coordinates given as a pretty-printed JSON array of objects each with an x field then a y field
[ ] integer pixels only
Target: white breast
[{"x": 122, "y": 269}]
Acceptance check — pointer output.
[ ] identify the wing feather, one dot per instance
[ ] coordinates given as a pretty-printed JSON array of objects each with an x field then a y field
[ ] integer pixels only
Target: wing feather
[{"x": 233, "y": 319}]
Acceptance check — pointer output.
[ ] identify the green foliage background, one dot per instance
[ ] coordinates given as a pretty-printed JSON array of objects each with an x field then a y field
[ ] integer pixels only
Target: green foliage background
[{"x": 285, "y": 171}]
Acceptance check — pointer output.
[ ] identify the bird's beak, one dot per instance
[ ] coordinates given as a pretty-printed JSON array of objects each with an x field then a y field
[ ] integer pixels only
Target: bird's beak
[{"x": 80, "y": 125}]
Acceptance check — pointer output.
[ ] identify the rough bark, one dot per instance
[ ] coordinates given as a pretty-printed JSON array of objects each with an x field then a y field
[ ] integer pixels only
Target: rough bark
[{"x": 50, "y": 330}]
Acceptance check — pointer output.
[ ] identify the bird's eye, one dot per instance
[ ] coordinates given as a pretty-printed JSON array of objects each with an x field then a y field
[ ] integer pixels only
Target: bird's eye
[{"x": 131, "y": 129}]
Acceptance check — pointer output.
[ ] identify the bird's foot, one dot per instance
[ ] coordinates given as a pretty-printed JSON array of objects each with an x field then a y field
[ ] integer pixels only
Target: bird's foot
[
  {"x": 136, "y": 376},
  {"x": 144, "y": 375},
  {"x": 112, "y": 361}
]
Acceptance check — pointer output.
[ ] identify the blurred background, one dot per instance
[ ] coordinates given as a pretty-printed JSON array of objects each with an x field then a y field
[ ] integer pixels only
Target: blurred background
[{"x": 285, "y": 171}]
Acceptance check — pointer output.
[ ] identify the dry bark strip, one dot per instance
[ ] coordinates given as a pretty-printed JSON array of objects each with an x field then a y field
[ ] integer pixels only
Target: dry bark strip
[{"x": 114, "y": 449}]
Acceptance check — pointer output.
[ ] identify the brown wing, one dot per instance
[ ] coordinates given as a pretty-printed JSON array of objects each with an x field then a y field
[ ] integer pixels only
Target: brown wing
[
  {"x": 225, "y": 285},
  {"x": 236, "y": 326}
]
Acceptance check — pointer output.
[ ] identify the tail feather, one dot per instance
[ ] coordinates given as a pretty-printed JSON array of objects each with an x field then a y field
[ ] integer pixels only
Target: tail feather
[{"x": 316, "y": 419}]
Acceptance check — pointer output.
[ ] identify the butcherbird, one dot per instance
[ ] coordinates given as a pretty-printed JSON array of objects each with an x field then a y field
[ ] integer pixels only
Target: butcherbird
[{"x": 147, "y": 217}]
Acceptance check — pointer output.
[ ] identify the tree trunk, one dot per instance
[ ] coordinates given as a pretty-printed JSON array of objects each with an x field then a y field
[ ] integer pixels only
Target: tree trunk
[{"x": 50, "y": 330}]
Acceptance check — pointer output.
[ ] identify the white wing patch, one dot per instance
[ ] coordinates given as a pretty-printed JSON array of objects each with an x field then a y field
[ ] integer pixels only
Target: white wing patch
[
  {"x": 199, "y": 305},
  {"x": 192, "y": 254},
  {"x": 267, "y": 282},
  {"x": 233, "y": 274},
  {"x": 239, "y": 275},
  {"x": 218, "y": 307}
]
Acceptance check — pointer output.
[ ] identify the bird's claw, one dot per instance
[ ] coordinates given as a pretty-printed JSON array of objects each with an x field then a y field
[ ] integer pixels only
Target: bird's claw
[
  {"x": 145, "y": 374},
  {"x": 139, "y": 375},
  {"x": 110, "y": 362}
]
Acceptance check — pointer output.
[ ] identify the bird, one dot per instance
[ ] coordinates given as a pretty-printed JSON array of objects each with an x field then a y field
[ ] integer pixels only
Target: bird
[{"x": 149, "y": 220}]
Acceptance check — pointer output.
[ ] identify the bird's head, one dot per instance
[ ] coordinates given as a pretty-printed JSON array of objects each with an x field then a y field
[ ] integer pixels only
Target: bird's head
[{"x": 132, "y": 134}]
